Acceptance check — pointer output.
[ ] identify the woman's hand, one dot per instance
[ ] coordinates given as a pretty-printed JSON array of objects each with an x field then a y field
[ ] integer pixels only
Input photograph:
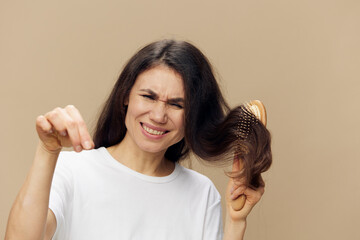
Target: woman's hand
[
  {"x": 63, "y": 127},
  {"x": 236, "y": 188}
]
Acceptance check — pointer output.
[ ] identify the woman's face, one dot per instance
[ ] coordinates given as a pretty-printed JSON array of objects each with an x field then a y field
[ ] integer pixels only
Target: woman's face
[{"x": 155, "y": 114}]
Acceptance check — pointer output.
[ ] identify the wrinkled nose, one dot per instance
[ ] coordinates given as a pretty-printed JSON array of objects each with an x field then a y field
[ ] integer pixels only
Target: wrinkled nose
[{"x": 158, "y": 113}]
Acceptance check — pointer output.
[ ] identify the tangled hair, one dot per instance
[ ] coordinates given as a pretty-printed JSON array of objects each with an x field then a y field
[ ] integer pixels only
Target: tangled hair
[
  {"x": 226, "y": 141},
  {"x": 211, "y": 131}
]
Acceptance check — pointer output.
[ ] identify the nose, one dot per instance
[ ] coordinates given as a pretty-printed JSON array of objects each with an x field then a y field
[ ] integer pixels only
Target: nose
[{"x": 158, "y": 113}]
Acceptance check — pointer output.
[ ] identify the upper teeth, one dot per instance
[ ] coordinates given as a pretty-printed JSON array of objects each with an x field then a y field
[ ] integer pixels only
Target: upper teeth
[{"x": 152, "y": 131}]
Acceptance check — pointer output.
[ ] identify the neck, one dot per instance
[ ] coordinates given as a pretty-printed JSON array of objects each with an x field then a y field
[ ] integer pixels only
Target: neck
[{"x": 152, "y": 164}]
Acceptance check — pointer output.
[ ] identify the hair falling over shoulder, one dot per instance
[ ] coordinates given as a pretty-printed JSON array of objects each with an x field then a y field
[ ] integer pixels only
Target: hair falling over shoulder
[{"x": 239, "y": 134}]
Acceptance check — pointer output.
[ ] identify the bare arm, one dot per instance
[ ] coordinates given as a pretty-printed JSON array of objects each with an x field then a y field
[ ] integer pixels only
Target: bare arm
[
  {"x": 29, "y": 212},
  {"x": 235, "y": 222},
  {"x": 234, "y": 230},
  {"x": 30, "y": 216}
]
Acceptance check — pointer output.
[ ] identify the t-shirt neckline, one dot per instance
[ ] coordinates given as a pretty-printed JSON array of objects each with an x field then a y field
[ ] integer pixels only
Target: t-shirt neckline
[{"x": 144, "y": 177}]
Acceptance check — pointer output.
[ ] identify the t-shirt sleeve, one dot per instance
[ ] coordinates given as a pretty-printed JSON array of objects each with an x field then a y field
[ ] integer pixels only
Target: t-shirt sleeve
[
  {"x": 213, "y": 228},
  {"x": 61, "y": 192}
]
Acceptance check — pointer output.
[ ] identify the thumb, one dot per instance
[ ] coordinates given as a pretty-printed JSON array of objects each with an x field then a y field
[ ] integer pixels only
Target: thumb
[
  {"x": 236, "y": 168},
  {"x": 236, "y": 164}
]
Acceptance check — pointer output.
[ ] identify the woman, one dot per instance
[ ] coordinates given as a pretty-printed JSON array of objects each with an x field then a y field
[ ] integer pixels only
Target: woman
[{"x": 128, "y": 184}]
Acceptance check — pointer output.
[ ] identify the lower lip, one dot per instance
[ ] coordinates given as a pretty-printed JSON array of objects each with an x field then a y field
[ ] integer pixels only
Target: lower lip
[{"x": 151, "y": 136}]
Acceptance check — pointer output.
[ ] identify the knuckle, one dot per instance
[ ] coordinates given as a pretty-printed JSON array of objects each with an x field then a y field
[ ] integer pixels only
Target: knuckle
[
  {"x": 81, "y": 124},
  {"x": 39, "y": 119},
  {"x": 70, "y": 107},
  {"x": 75, "y": 142},
  {"x": 258, "y": 197},
  {"x": 54, "y": 113},
  {"x": 58, "y": 109},
  {"x": 71, "y": 124},
  {"x": 239, "y": 191},
  {"x": 51, "y": 115}
]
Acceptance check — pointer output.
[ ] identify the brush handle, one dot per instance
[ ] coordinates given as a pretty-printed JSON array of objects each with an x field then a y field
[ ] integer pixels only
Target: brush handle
[{"x": 238, "y": 203}]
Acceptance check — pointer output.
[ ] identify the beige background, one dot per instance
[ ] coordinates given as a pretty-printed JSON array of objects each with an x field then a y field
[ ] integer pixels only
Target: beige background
[{"x": 300, "y": 57}]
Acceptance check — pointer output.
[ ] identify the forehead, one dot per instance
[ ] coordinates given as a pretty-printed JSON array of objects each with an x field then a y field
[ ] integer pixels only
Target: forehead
[{"x": 163, "y": 80}]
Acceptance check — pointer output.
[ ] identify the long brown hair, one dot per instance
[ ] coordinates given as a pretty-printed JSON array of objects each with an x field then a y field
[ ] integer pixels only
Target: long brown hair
[{"x": 210, "y": 125}]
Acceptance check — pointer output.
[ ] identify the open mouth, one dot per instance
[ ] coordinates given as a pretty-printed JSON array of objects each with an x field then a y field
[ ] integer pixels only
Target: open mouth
[{"x": 153, "y": 131}]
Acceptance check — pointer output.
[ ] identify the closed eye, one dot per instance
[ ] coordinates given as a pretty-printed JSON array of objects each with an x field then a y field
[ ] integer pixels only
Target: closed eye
[
  {"x": 151, "y": 97},
  {"x": 176, "y": 105}
]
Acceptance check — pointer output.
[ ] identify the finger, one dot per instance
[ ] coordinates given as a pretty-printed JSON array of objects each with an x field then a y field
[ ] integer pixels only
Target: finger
[
  {"x": 261, "y": 190},
  {"x": 236, "y": 183},
  {"x": 236, "y": 164},
  {"x": 84, "y": 134},
  {"x": 65, "y": 125},
  {"x": 237, "y": 192},
  {"x": 56, "y": 119},
  {"x": 236, "y": 168},
  {"x": 43, "y": 125},
  {"x": 253, "y": 196},
  {"x": 239, "y": 181}
]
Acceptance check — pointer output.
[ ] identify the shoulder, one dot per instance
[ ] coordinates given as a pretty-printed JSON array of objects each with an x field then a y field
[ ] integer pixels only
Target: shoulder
[
  {"x": 199, "y": 181},
  {"x": 194, "y": 175}
]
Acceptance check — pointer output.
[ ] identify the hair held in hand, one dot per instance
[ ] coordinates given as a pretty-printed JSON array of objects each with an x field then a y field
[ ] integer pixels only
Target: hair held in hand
[{"x": 238, "y": 134}]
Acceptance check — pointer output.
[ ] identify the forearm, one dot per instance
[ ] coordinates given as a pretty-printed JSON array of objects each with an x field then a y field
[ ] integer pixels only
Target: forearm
[
  {"x": 234, "y": 230},
  {"x": 28, "y": 215}
]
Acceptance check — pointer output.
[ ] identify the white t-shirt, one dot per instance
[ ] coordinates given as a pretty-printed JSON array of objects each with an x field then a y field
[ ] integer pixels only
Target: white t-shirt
[{"x": 93, "y": 196}]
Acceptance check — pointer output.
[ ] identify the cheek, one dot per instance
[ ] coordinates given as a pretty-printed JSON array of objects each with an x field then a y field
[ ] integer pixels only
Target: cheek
[
  {"x": 136, "y": 108},
  {"x": 180, "y": 123},
  {"x": 132, "y": 112}
]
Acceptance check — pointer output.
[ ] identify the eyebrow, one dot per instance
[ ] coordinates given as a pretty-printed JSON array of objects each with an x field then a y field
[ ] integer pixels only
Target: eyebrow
[{"x": 177, "y": 100}]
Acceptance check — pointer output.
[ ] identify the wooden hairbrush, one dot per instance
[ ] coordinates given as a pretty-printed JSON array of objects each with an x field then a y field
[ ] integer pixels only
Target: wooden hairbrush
[{"x": 257, "y": 108}]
